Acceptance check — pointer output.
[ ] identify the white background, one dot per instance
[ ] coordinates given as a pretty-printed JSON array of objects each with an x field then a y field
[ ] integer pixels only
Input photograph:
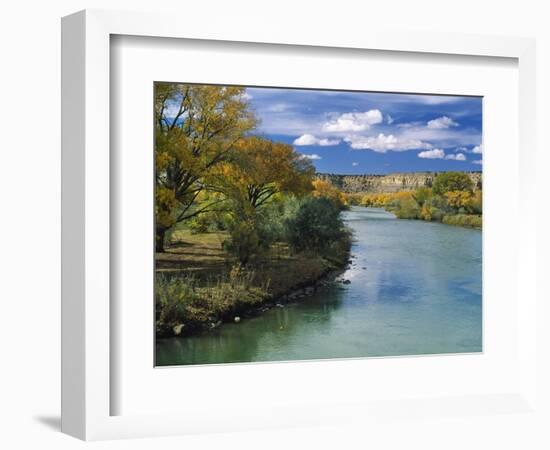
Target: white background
[{"x": 29, "y": 288}]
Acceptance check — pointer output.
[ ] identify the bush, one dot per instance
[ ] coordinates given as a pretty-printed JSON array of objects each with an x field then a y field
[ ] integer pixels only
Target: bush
[
  {"x": 315, "y": 225},
  {"x": 183, "y": 300},
  {"x": 270, "y": 223},
  {"x": 452, "y": 181},
  {"x": 208, "y": 221},
  {"x": 407, "y": 209},
  {"x": 244, "y": 242},
  {"x": 464, "y": 220}
]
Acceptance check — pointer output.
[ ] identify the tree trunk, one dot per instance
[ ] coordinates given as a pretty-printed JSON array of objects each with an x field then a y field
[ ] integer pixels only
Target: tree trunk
[{"x": 159, "y": 240}]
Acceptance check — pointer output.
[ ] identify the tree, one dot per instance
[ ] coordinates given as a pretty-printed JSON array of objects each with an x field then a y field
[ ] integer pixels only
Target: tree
[
  {"x": 452, "y": 181},
  {"x": 196, "y": 128},
  {"x": 258, "y": 170},
  {"x": 326, "y": 189},
  {"x": 316, "y": 224},
  {"x": 421, "y": 195},
  {"x": 261, "y": 168}
]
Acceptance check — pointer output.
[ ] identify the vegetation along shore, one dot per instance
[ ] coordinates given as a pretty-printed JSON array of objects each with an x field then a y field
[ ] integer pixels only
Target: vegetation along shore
[{"x": 241, "y": 221}]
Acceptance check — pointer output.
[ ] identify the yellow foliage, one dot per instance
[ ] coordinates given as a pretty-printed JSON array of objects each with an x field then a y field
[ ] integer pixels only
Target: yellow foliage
[
  {"x": 384, "y": 199},
  {"x": 327, "y": 190},
  {"x": 458, "y": 199},
  {"x": 165, "y": 203},
  {"x": 259, "y": 170}
]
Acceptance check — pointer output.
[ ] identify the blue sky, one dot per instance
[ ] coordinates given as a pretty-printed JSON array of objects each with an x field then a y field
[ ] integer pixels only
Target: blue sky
[{"x": 374, "y": 133}]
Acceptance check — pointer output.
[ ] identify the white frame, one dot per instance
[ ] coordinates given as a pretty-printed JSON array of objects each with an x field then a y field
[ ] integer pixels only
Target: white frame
[{"x": 86, "y": 217}]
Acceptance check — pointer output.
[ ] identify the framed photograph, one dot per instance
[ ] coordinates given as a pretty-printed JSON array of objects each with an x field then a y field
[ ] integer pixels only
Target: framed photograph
[{"x": 293, "y": 215}]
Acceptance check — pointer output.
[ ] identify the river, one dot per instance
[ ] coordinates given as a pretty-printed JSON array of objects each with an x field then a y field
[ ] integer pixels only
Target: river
[{"x": 414, "y": 288}]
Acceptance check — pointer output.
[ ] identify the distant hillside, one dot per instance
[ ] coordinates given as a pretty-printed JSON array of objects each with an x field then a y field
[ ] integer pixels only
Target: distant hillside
[{"x": 393, "y": 182}]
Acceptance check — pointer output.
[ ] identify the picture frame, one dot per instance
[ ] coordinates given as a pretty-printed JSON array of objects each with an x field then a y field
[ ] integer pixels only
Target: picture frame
[{"x": 87, "y": 325}]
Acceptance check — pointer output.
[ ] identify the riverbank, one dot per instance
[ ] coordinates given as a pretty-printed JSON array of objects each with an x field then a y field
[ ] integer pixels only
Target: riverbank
[
  {"x": 199, "y": 286},
  {"x": 456, "y": 208},
  {"x": 411, "y": 288}
]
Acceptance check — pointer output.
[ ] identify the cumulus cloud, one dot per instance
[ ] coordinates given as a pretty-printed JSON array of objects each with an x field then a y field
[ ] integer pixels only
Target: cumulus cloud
[
  {"x": 456, "y": 157},
  {"x": 436, "y": 153},
  {"x": 383, "y": 143},
  {"x": 354, "y": 121},
  {"x": 313, "y": 156},
  {"x": 478, "y": 149},
  {"x": 441, "y": 123},
  {"x": 389, "y": 119},
  {"x": 354, "y": 164},
  {"x": 309, "y": 139}
]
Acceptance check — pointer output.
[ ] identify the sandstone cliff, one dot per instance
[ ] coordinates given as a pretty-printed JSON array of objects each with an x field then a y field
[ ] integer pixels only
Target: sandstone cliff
[{"x": 405, "y": 181}]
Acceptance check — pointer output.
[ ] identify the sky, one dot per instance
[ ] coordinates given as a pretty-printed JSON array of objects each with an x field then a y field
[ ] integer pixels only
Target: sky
[{"x": 373, "y": 133}]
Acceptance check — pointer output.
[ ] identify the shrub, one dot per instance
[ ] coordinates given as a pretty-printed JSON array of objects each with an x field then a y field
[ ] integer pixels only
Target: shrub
[
  {"x": 315, "y": 225},
  {"x": 183, "y": 300},
  {"x": 270, "y": 223},
  {"x": 244, "y": 242},
  {"x": 464, "y": 220},
  {"x": 452, "y": 181},
  {"x": 407, "y": 209}
]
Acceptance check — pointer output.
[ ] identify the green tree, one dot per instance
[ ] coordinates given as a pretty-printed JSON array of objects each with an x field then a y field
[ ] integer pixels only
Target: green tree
[
  {"x": 452, "y": 181},
  {"x": 315, "y": 225},
  {"x": 196, "y": 128}
]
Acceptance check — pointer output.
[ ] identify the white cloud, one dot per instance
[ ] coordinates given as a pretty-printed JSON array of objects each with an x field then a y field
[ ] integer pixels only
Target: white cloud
[
  {"x": 456, "y": 157},
  {"x": 436, "y": 153},
  {"x": 354, "y": 164},
  {"x": 278, "y": 107},
  {"x": 354, "y": 121},
  {"x": 383, "y": 143},
  {"x": 478, "y": 149},
  {"x": 389, "y": 119},
  {"x": 442, "y": 122},
  {"x": 246, "y": 96},
  {"x": 313, "y": 156},
  {"x": 477, "y": 161},
  {"x": 309, "y": 139}
]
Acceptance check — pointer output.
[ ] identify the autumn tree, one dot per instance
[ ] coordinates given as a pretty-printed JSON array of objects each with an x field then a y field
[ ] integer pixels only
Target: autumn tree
[
  {"x": 326, "y": 189},
  {"x": 261, "y": 168},
  {"x": 258, "y": 170},
  {"x": 196, "y": 128}
]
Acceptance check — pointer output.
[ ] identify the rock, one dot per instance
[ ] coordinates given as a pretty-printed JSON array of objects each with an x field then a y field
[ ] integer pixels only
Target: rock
[
  {"x": 279, "y": 305},
  {"x": 237, "y": 319},
  {"x": 388, "y": 183},
  {"x": 177, "y": 329},
  {"x": 364, "y": 268},
  {"x": 346, "y": 282}
]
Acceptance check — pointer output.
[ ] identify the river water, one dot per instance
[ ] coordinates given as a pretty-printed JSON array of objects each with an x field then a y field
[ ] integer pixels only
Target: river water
[{"x": 415, "y": 288}]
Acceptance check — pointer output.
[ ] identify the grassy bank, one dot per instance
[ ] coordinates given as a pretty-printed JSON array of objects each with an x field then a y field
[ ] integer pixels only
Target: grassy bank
[{"x": 199, "y": 285}]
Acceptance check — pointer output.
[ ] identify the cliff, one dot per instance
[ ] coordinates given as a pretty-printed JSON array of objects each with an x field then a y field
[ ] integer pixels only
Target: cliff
[{"x": 405, "y": 181}]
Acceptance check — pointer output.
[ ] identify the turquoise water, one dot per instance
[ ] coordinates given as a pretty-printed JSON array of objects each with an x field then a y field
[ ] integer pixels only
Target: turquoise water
[{"x": 415, "y": 288}]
